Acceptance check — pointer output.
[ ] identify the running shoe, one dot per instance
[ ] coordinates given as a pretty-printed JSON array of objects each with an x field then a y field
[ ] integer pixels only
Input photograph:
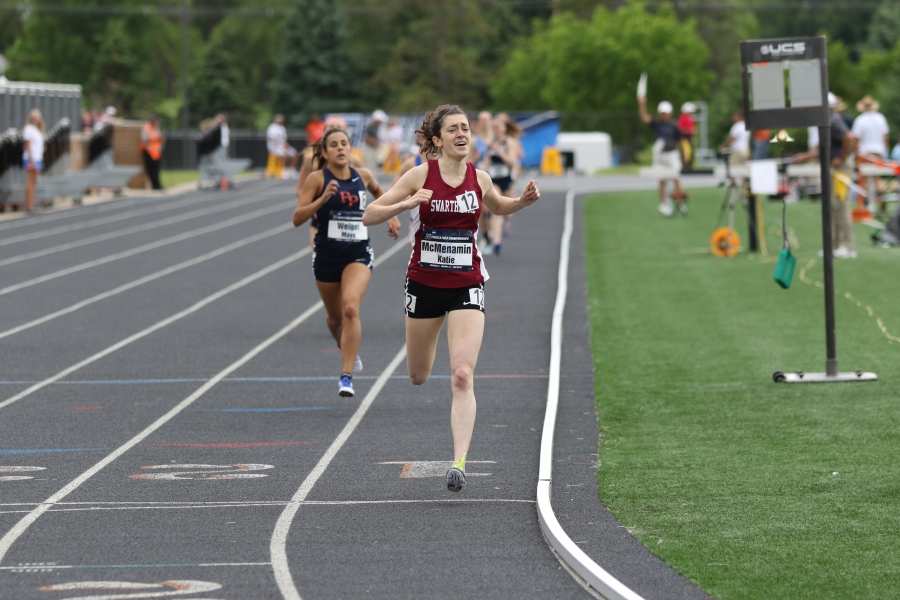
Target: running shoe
[
  {"x": 346, "y": 388},
  {"x": 666, "y": 208},
  {"x": 682, "y": 207},
  {"x": 357, "y": 366},
  {"x": 496, "y": 249},
  {"x": 456, "y": 480},
  {"x": 844, "y": 252}
]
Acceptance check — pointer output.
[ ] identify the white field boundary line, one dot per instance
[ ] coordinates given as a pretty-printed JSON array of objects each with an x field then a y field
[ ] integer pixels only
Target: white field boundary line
[
  {"x": 148, "y": 278},
  {"x": 110, "y": 219},
  {"x": 574, "y": 557},
  {"x": 157, "y": 326},
  {"x": 239, "y": 203},
  {"x": 146, "y": 247},
  {"x": 19, "y": 528},
  {"x": 278, "y": 546}
]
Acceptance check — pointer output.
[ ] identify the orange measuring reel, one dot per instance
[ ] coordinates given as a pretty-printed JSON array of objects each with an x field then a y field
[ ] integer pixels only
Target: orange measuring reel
[{"x": 724, "y": 242}]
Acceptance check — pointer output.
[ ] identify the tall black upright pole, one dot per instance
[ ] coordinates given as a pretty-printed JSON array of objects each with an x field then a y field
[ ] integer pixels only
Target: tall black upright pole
[{"x": 831, "y": 363}]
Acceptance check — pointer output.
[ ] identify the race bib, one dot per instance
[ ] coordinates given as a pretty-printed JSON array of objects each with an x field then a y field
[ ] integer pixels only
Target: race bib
[
  {"x": 347, "y": 227},
  {"x": 447, "y": 249},
  {"x": 499, "y": 171}
]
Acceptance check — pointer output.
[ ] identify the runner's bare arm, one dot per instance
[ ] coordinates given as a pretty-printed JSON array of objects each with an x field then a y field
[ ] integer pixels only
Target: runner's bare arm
[
  {"x": 308, "y": 203},
  {"x": 503, "y": 205},
  {"x": 305, "y": 170},
  {"x": 407, "y": 193},
  {"x": 375, "y": 189}
]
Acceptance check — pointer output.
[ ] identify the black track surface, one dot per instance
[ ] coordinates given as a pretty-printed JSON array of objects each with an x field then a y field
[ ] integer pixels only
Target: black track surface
[{"x": 366, "y": 529}]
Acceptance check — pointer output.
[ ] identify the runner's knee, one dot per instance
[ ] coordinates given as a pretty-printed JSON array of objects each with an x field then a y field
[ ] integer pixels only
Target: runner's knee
[
  {"x": 462, "y": 378},
  {"x": 351, "y": 311}
]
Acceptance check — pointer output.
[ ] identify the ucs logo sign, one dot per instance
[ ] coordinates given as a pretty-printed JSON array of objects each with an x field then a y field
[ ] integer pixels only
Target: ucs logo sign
[{"x": 785, "y": 49}]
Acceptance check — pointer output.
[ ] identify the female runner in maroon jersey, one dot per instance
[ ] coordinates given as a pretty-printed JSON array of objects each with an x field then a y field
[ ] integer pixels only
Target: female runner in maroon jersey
[{"x": 445, "y": 277}]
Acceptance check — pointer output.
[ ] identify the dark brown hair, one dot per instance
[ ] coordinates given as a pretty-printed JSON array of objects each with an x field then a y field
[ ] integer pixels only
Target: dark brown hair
[
  {"x": 431, "y": 126},
  {"x": 513, "y": 129},
  {"x": 318, "y": 158}
]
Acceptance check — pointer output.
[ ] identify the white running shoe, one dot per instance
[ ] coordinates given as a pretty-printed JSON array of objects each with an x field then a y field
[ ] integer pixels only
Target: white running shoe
[
  {"x": 357, "y": 366},
  {"x": 845, "y": 252},
  {"x": 666, "y": 208}
]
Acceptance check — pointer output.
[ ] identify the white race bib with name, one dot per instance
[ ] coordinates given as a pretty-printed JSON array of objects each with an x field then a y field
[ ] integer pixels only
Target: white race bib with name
[
  {"x": 347, "y": 227},
  {"x": 447, "y": 249}
]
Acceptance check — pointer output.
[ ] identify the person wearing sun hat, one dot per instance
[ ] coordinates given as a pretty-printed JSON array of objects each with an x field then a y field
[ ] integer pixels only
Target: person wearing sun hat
[
  {"x": 842, "y": 146},
  {"x": 872, "y": 131},
  {"x": 665, "y": 151}
]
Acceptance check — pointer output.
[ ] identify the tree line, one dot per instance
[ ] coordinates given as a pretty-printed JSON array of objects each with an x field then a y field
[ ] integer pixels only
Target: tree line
[{"x": 300, "y": 57}]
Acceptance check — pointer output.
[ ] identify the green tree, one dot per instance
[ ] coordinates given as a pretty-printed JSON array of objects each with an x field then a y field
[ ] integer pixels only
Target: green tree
[
  {"x": 884, "y": 30},
  {"x": 218, "y": 86},
  {"x": 315, "y": 72},
  {"x": 575, "y": 65}
]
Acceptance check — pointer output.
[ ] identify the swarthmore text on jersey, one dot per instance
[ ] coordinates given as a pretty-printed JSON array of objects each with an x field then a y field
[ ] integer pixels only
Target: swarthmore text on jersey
[{"x": 452, "y": 206}]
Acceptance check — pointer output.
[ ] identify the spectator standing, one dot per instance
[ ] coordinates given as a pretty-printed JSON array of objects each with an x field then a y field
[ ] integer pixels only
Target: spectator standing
[
  {"x": 33, "y": 156},
  {"x": 688, "y": 128},
  {"x": 665, "y": 151},
  {"x": 761, "y": 144},
  {"x": 152, "y": 141},
  {"x": 372, "y": 141},
  {"x": 841, "y": 149},
  {"x": 107, "y": 116},
  {"x": 738, "y": 142},
  {"x": 314, "y": 129},
  {"x": 895, "y": 152},
  {"x": 222, "y": 120},
  {"x": 276, "y": 139},
  {"x": 393, "y": 139},
  {"x": 872, "y": 132}
]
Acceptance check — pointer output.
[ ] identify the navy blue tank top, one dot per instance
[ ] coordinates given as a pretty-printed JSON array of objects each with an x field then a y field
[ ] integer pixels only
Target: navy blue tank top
[{"x": 340, "y": 219}]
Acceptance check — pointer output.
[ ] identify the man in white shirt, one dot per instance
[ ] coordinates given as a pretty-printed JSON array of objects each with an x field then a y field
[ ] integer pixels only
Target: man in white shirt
[
  {"x": 871, "y": 129},
  {"x": 738, "y": 142},
  {"x": 276, "y": 140}
]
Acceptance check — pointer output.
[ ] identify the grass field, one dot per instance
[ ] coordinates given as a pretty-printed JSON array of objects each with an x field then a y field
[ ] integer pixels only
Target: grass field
[
  {"x": 170, "y": 178},
  {"x": 749, "y": 488}
]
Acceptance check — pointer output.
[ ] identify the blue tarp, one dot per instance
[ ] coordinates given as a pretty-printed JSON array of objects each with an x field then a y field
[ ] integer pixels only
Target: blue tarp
[{"x": 540, "y": 132}]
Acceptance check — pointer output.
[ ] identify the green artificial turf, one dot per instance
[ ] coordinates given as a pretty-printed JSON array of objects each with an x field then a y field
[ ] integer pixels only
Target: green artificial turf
[
  {"x": 172, "y": 177},
  {"x": 751, "y": 489}
]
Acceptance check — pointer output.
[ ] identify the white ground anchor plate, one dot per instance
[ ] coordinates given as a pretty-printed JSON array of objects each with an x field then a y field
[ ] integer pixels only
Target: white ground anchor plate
[{"x": 801, "y": 377}]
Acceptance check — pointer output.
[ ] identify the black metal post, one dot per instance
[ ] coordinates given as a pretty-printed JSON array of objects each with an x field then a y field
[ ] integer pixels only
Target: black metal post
[
  {"x": 751, "y": 223},
  {"x": 831, "y": 362}
]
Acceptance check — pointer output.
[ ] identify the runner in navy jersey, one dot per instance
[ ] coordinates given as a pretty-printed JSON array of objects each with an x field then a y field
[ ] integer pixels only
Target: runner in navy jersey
[
  {"x": 445, "y": 277},
  {"x": 343, "y": 259}
]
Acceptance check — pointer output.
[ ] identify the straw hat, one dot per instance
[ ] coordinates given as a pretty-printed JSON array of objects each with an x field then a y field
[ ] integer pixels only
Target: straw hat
[{"x": 867, "y": 103}]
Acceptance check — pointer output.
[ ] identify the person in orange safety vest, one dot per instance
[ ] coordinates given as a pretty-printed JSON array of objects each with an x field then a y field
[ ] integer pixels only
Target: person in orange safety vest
[{"x": 152, "y": 141}]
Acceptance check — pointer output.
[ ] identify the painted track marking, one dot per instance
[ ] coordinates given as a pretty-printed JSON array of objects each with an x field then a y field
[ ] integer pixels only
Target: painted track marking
[
  {"x": 239, "y": 203},
  {"x": 148, "y": 278},
  {"x": 248, "y": 380},
  {"x": 151, "y": 246},
  {"x": 19, "y": 528},
  {"x": 159, "y": 325},
  {"x": 573, "y": 557},
  {"x": 45, "y": 567},
  {"x": 106, "y": 220},
  {"x": 278, "y": 546}
]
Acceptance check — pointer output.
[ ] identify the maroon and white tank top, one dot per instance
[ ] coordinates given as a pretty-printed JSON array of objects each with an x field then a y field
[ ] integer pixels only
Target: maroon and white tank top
[{"x": 445, "y": 254}]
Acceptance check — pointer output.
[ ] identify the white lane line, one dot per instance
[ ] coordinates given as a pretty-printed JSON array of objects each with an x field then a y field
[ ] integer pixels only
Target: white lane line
[
  {"x": 110, "y": 219},
  {"x": 39, "y": 566},
  {"x": 567, "y": 550},
  {"x": 146, "y": 247},
  {"x": 278, "y": 545},
  {"x": 157, "y": 326},
  {"x": 239, "y": 203},
  {"x": 19, "y": 528},
  {"x": 86, "y": 210},
  {"x": 65, "y": 507},
  {"x": 148, "y": 278}
]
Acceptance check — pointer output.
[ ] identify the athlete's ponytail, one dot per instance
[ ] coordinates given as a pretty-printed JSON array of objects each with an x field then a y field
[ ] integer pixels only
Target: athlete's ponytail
[
  {"x": 319, "y": 161},
  {"x": 431, "y": 126}
]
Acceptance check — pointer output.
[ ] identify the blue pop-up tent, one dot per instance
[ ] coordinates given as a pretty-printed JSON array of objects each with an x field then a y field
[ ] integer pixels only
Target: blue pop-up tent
[{"x": 540, "y": 132}]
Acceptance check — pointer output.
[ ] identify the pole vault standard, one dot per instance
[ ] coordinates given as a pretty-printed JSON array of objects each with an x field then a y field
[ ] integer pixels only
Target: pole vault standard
[{"x": 768, "y": 105}]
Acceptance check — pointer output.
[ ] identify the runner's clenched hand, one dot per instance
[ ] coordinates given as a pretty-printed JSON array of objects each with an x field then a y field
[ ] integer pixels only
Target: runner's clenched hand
[{"x": 530, "y": 194}]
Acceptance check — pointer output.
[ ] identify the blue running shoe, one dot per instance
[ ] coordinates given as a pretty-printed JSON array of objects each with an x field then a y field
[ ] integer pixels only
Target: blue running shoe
[
  {"x": 346, "y": 388},
  {"x": 456, "y": 480}
]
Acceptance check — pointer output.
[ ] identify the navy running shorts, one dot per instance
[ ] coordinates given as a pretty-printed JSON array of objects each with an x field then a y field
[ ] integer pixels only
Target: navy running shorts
[
  {"x": 328, "y": 262},
  {"x": 426, "y": 302}
]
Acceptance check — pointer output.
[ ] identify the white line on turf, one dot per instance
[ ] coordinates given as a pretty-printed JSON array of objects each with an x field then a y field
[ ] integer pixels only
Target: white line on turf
[
  {"x": 19, "y": 528},
  {"x": 239, "y": 203},
  {"x": 158, "y": 208},
  {"x": 148, "y": 278},
  {"x": 572, "y": 556},
  {"x": 278, "y": 545},
  {"x": 146, "y": 247},
  {"x": 157, "y": 326}
]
